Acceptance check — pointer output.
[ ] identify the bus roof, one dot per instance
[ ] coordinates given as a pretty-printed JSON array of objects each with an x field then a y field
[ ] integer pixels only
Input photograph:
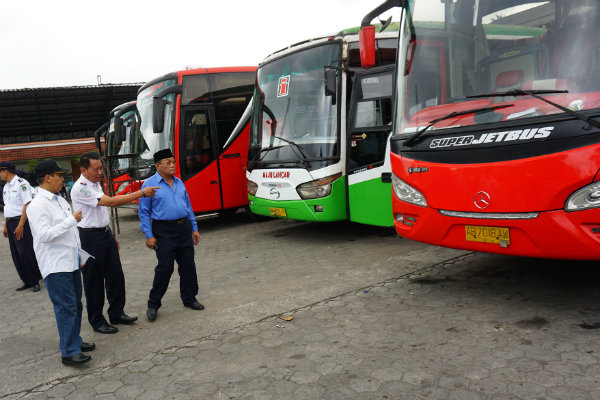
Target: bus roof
[
  {"x": 195, "y": 71},
  {"x": 350, "y": 35}
]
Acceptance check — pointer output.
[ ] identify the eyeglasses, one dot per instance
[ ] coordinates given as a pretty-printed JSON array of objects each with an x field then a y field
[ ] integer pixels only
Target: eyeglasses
[{"x": 168, "y": 162}]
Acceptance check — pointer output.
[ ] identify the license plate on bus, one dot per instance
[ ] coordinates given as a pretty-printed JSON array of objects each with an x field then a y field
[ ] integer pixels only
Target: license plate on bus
[
  {"x": 278, "y": 212},
  {"x": 488, "y": 234}
]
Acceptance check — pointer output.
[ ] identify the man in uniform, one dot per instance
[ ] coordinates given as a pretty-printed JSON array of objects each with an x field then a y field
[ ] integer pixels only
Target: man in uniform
[
  {"x": 59, "y": 254},
  {"x": 98, "y": 240},
  {"x": 169, "y": 224},
  {"x": 17, "y": 194}
]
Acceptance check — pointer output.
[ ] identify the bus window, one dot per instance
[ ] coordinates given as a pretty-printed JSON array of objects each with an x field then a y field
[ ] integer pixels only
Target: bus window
[
  {"x": 227, "y": 115},
  {"x": 372, "y": 119},
  {"x": 196, "y": 147},
  {"x": 196, "y": 89}
]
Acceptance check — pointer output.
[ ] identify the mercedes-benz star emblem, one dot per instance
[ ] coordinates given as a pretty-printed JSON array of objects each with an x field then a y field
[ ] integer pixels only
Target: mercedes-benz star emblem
[
  {"x": 275, "y": 193},
  {"x": 482, "y": 200}
]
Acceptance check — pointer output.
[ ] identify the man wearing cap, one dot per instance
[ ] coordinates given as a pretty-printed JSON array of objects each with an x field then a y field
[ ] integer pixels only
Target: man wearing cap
[
  {"x": 98, "y": 240},
  {"x": 169, "y": 224},
  {"x": 17, "y": 194},
  {"x": 59, "y": 255}
]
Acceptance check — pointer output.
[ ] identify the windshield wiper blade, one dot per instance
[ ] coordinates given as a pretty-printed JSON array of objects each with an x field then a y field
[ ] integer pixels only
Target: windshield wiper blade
[
  {"x": 303, "y": 156},
  {"x": 516, "y": 92},
  {"x": 535, "y": 93},
  {"x": 452, "y": 115},
  {"x": 265, "y": 150}
]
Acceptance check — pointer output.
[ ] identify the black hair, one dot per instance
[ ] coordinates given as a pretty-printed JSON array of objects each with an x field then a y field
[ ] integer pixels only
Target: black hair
[{"x": 84, "y": 160}]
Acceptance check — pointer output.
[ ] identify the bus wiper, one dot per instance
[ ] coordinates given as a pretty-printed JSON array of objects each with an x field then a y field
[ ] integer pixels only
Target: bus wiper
[
  {"x": 535, "y": 93},
  {"x": 414, "y": 137},
  {"x": 265, "y": 150},
  {"x": 304, "y": 159}
]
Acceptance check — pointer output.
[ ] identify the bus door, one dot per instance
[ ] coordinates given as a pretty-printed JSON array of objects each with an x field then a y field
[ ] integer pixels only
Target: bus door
[
  {"x": 233, "y": 142},
  {"x": 198, "y": 157},
  {"x": 368, "y": 165}
]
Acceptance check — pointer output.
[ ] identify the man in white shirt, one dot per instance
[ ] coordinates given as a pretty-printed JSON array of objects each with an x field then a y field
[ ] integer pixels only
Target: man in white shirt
[
  {"x": 98, "y": 240},
  {"x": 59, "y": 255},
  {"x": 17, "y": 194}
]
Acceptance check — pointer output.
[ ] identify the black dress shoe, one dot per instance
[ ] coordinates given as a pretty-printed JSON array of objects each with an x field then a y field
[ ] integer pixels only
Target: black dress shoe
[
  {"x": 194, "y": 306},
  {"x": 87, "y": 346},
  {"x": 151, "y": 314},
  {"x": 35, "y": 288},
  {"x": 123, "y": 319},
  {"x": 106, "y": 328},
  {"x": 77, "y": 359},
  {"x": 21, "y": 288}
]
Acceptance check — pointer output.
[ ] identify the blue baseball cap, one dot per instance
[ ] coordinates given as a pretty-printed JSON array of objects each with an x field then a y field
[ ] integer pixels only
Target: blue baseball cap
[
  {"x": 7, "y": 165},
  {"x": 48, "y": 167}
]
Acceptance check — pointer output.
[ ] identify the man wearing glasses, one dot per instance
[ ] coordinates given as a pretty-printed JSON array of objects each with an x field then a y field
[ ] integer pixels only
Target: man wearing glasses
[
  {"x": 104, "y": 270},
  {"x": 169, "y": 224}
]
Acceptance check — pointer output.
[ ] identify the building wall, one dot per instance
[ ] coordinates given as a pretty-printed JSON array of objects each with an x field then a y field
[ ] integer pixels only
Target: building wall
[{"x": 63, "y": 151}]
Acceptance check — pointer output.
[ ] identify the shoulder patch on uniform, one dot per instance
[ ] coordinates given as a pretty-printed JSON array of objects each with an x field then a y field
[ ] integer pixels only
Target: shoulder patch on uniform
[
  {"x": 24, "y": 188},
  {"x": 85, "y": 191}
]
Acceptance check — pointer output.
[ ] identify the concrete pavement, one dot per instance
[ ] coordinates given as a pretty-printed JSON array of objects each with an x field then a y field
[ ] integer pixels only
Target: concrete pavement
[{"x": 375, "y": 316}]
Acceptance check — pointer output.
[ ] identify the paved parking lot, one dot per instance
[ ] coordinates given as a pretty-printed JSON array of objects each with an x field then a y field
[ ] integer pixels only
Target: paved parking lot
[{"x": 375, "y": 316}]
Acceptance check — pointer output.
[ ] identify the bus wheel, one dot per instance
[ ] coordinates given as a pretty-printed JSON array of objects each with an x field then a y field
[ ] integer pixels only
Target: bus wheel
[
  {"x": 228, "y": 213},
  {"x": 250, "y": 216}
]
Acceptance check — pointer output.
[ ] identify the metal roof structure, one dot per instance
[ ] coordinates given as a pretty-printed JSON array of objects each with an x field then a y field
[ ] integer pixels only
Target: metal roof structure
[{"x": 34, "y": 115}]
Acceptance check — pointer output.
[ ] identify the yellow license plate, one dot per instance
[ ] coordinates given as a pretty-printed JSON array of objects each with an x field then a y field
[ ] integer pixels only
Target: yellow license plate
[
  {"x": 488, "y": 234},
  {"x": 278, "y": 212}
]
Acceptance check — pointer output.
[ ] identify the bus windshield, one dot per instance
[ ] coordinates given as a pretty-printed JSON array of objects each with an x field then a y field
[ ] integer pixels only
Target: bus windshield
[
  {"x": 146, "y": 141},
  {"x": 294, "y": 121},
  {"x": 454, "y": 54}
]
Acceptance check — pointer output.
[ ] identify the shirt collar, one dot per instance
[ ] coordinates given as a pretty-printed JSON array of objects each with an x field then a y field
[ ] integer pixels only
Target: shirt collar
[
  {"x": 159, "y": 178},
  {"x": 86, "y": 180},
  {"x": 44, "y": 193},
  {"x": 14, "y": 180}
]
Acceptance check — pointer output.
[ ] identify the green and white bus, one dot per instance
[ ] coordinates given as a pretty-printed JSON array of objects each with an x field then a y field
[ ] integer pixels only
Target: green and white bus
[{"x": 319, "y": 148}]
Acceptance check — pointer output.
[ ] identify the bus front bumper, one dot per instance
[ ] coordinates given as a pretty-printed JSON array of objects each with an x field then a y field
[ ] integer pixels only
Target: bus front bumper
[
  {"x": 325, "y": 209},
  {"x": 552, "y": 234}
]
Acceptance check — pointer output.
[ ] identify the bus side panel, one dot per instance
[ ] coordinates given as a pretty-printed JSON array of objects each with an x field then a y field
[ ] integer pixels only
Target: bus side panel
[
  {"x": 203, "y": 189},
  {"x": 371, "y": 203},
  {"x": 233, "y": 171}
]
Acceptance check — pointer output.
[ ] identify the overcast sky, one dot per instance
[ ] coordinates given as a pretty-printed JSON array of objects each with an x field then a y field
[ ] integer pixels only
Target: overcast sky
[{"x": 47, "y": 43}]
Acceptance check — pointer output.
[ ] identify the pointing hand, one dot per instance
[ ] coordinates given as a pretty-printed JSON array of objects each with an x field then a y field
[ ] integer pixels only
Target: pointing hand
[{"x": 149, "y": 191}]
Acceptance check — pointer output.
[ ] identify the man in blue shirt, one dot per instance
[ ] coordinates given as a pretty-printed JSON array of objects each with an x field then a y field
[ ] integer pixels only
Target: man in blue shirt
[{"x": 169, "y": 224}]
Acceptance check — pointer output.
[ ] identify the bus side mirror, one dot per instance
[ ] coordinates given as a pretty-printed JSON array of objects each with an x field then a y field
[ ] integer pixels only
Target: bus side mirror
[
  {"x": 97, "y": 135},
  {"x": 366, "y": 40},
  {"x": 119, "y": 131},
  {"x": 330, "y": 82},
  {"x": 158, "y": 114}
]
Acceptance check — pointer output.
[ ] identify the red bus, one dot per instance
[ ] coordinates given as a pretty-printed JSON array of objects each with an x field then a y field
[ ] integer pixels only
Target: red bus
[
  {"x": 497, "y": 125},
  {"x": 203, "y": 116},
  {"x": 117, "y": 151}
]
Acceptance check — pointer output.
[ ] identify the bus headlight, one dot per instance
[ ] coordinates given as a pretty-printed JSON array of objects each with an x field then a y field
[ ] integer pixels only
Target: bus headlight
[
  {"x": 584, "y": 198},
  {"x": 317, "y": 188},
  {"x": 252, "y": 188},
  {"x": 122, "y": 187},
  {"x": 407, "y": 193}
]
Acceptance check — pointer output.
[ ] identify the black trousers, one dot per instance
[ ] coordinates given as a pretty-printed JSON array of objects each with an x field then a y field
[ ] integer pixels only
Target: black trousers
[
  {"x": 22, "y": 253},
  {"x": 104, "y": 268},
  {"x": 174, "y": 243}
]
